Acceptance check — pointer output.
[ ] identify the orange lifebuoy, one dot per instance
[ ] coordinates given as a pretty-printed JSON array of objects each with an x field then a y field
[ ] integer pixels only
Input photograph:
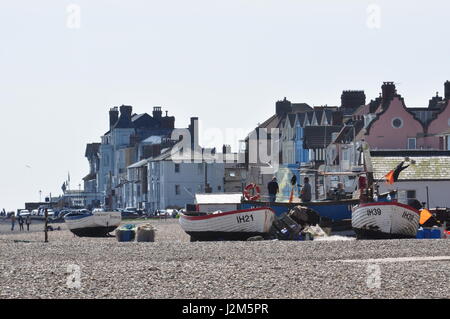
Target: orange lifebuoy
[{"x": 250, "y": 188}]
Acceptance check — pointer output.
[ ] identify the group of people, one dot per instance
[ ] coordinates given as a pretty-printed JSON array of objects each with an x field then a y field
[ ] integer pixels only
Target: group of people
[
  {"x": 305, "y": 193},
  {"x": 21, "y": 221}
]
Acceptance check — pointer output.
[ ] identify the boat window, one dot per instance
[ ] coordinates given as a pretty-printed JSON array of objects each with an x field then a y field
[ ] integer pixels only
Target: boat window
[{"x": 411, "y": 194}]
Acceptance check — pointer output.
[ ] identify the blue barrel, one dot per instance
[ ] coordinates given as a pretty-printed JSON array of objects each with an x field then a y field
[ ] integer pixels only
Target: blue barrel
[
  {"x": 435, "y": 233},
  {"x": 427, "y": 233},
  {"x": 420, "y": 234},
  {"x": 126, "y": 233}
]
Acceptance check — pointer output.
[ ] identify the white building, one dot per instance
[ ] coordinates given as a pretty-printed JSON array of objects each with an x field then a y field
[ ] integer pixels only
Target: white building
[
  {"x": 173, "y": 185},
  {"x": 427, "y": 169}
]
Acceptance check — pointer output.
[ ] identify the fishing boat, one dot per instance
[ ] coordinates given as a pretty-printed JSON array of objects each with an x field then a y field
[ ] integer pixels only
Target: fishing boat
[
  {"x": 96, "y": 224},
  {"x": 377, "y": 219},
  {"x": 385, "y": 220},
  {"x": 230, "y": 225}
]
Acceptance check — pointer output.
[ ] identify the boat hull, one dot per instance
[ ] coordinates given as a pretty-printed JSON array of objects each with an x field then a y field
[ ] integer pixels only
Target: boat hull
[
  {"x": 98, "y": 224},
  {"x": 385, "y": 220},
  {"x": 234, "y": 225},
  {"x": 335, "y": 210}
]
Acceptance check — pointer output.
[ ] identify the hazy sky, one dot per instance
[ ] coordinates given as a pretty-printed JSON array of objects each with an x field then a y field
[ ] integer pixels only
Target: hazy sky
[{"x": 225, "y": 61}]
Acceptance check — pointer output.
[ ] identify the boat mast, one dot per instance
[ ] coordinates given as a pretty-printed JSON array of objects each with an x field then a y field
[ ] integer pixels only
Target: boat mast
[{"x": 369, "y": 170}]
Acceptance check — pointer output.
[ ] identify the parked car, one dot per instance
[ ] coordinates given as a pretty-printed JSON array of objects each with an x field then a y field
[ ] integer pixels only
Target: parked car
[
  {"x": 34, "y": 212},
  {"x": 24, "y": 212},
  {"x": 126, "y": 214},
  {"x": 172, "y": 213},
  {"x": 63, "y": 213},
  {"x": 163, "y": 213}
]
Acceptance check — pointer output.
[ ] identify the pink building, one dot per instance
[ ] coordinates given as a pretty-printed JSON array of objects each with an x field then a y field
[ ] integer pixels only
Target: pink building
[{"x": 390, "y": 124}]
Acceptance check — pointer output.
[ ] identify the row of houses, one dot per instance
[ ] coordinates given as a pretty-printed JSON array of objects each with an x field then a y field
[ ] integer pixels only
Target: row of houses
[
  {"x": 133, "y": 165},
  {"x": 329, "y": 139}
]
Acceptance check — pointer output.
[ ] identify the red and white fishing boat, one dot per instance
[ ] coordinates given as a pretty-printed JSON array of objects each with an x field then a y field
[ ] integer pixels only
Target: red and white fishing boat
[
  {"x": 385, "y": 220},
  {"x": 232, "y": 225}
]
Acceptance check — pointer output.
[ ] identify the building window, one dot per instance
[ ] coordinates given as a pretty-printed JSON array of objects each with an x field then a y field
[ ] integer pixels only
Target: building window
[
  {"x": 177, "y": 168},
  {"x": 177, "y": 189},
  {"x": 219, "y": 188},
  {"x": 397, "y": 122},
  {"x": 412, "y": 143}
]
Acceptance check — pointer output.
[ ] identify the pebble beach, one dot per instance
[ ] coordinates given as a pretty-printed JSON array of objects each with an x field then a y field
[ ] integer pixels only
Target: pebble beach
[{"x": 173, "y": 267}]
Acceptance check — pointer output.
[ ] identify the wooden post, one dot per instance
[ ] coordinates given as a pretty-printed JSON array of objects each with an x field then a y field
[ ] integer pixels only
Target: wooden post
[{"x": 46, "y": 225}]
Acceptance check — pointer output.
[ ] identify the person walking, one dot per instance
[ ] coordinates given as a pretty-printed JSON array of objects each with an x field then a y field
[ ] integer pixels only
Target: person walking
[
  {"x": 306, "y": 191},
  {"x": 28, "y": 222},
  {"x": 13, "y": 221},
  {"x": 273, "y": 189}
]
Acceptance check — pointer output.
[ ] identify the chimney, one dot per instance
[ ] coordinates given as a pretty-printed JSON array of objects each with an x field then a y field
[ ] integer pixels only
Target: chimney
[
  {"x": 125, "y": 112},
  {"x": 193, "y": 130},
  {"x": 388, "y": 91},
  {"x": 283, "y": 107},
  {"x": 353, "y": 99},
  {"x": 337, "y": 118},
  {"x": 226, "y": 149},
  {"x": 157, "y": 113},
  {"x": 447, "y": 90},
  {"x": 113, "y": 116},
  {"x": 435, "y": 101}
]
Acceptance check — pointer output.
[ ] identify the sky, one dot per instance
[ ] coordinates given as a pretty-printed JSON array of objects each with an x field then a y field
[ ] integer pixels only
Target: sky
[{"x": 63, "y": 64}]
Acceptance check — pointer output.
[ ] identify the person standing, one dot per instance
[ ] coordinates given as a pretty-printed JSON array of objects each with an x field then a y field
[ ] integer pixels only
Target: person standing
[
  {"x": 306, "y": 191},
  {"x": 273, "y": 189},
  {"x": 20, "y": 220},
  {"x": 13, "y": 221},
  {"x": 28, "y": 222}
]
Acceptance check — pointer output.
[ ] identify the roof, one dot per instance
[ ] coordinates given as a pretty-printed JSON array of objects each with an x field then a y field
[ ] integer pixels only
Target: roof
[
  {"x": 224, "y": 198},
  {"x": 272, "y": 122},
  {"x": 153, "y": 139},
  {"x": 301, "y": 107},
  {"x": 429, "y": 165},
  {"x": 167, "y": 156},
  {"x": 347, "y": 133},
  {"x": 301, "y": 118},
  {"x": 90, "y": 177},
  {"x": 424, "y": 115},
  {"x": 92, "y": 149},
  {"x": 292, "y": 117},
  {"x": 319, "y": 136},
  {"x": 139, "y": 164}
]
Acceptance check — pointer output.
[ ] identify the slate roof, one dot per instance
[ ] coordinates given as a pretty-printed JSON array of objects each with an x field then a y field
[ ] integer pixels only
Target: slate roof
[
  {"x": 90, "y": 177},
  {"x": 292, "y": 119},
  {"x": 319, "y": 136},
  {"x": 429, "y": 165},
  {"x": 272, "y": 122},
  {"x": 301, "y": 107},
  {"x": 92, "y": 149},
  {"x": 347, "y": 132},
  {"x": 139, "y": 164},
  {"x": 424, "y": 115},
  {"x": 301, "y": 118}
]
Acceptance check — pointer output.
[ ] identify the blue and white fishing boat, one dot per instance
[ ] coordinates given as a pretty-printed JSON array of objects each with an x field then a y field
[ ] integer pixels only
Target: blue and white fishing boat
[{"x": 96, "y": 224}]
